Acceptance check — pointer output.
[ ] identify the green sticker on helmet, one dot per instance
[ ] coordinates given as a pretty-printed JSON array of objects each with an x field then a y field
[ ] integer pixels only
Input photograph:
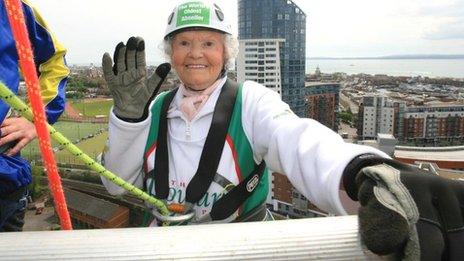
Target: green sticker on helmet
[{"x": 192, "y": 13}]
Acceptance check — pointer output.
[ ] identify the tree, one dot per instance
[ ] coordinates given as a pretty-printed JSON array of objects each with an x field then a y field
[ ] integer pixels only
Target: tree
[{"x": 346, "y": 117}]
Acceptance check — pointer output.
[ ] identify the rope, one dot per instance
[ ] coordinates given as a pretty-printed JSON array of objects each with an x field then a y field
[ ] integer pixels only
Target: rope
[
  {"x": 11, "y": 99},
  {"x": 26, "y": 61}
]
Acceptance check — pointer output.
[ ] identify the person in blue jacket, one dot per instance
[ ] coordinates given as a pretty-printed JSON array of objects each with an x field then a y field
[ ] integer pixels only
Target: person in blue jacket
[{"x": 17, "y": 132}]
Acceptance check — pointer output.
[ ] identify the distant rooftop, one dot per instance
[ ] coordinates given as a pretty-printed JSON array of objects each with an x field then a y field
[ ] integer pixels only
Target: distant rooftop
[
  {"x": 315, "y": 84},
  {"x": 385, "y": 136},
  {"x": 92, "y": 206},
  {"x": 441, "y": 104},
  {"x": 455, "y": 153}
]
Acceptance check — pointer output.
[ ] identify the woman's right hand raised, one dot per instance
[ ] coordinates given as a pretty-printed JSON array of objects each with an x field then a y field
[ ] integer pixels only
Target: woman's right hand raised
[{"x": 127, "y": 80}]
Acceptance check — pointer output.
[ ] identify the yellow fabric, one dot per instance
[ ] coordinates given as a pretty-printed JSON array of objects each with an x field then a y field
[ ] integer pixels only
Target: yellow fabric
[{"x": 54, "y": 70}]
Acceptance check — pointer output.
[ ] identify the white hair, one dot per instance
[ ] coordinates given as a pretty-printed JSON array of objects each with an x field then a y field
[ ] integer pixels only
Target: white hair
[{"x": 230, "y": 47}]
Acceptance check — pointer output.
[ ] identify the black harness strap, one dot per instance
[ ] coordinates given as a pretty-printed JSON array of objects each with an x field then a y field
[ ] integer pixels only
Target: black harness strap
[
  {"x": 214, "y": 144},
  {"x": 231, "y": 201},
  {"x": 212, "y": 150},
  {"x": 161, "y": 169},
  {"x": 209, "y": 159}
]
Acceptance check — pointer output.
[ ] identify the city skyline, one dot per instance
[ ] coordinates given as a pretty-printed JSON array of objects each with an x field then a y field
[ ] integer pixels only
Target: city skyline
[
  {"x": 275, "y": 19},
  {"x": 335, "y": 28}
]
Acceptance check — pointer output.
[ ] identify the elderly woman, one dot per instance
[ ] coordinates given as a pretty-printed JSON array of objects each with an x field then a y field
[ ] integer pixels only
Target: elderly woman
[{"x": 203, "y": 145}]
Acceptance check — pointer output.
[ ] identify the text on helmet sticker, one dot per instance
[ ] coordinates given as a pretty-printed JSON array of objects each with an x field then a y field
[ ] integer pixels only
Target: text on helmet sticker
[{"x": 192, "y": 13}]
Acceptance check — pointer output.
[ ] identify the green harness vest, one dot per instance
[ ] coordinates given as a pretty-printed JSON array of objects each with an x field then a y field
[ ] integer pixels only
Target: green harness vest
[{"x": 235, "y": 139}]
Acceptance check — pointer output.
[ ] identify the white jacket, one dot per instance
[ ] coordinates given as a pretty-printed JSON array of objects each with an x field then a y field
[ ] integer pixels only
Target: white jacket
[{"x": 311, "y": 155}]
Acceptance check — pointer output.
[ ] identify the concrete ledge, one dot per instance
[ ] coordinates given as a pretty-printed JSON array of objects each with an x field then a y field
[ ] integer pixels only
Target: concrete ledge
[
  {"x": 412, "y": 148},
  {"x": 303, "y": 239}
]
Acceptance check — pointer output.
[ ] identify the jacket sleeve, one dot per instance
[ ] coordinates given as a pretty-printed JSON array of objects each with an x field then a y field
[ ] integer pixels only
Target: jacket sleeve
[
  {"x": 123, "y": 154},
  {"x": 49, "y": 57},
  {"x": 311, "y": 155}
]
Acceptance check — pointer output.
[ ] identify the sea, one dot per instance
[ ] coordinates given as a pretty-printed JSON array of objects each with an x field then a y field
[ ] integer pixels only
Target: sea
[{"x": 453, "y": 68}]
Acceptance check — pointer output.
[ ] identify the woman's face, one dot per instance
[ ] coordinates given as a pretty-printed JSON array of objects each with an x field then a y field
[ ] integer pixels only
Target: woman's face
[{"x": 198, "y": 57}]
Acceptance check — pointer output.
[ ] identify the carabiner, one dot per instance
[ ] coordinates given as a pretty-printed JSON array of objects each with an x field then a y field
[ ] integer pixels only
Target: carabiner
[{"x": 190, "y": 213}]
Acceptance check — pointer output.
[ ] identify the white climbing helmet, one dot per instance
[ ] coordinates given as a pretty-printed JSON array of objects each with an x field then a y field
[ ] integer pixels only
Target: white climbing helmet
[{"x": 197, "y": 14}]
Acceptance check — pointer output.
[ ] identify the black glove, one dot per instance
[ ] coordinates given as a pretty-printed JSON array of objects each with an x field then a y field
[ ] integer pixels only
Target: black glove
[
  {"x": 389, "y": 219},
  {"x": 127, "y": 80}
]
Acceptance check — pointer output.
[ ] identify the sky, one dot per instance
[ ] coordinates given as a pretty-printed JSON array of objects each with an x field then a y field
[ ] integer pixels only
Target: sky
[{"x": 335, "y": 28}]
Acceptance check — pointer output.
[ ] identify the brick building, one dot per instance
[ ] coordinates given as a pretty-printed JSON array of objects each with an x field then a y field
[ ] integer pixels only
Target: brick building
[
  {"x": 89, "y": 212},
  {"x": 434, "y": 122},
  {"x": 322, "y": 103},
  {"x": 288, "y": 201},
  {"x": 430, "y": 124}
]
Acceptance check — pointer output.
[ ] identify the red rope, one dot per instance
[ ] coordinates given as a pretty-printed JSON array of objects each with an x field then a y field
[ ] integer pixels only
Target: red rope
[{"x": 26, "y": 60}]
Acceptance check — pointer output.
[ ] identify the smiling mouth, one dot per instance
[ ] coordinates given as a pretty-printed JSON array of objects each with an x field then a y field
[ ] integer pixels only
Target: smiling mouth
[{"x": 195, "y": 66}]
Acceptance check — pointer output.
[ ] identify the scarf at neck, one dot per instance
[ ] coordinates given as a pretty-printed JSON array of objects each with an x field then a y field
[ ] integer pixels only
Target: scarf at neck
[{"x": 193, "y": 101}]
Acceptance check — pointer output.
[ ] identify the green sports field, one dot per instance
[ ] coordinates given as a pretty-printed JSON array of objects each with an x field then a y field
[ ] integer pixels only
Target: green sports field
[
  {"x": 93, "y": 107},
  {"x": 91, "y": 136},
  {"x": 92, "y": 147}
]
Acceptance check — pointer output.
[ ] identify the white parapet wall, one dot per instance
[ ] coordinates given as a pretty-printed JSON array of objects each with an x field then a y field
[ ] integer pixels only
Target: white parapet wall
[{"x": 331, "y": 238}]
